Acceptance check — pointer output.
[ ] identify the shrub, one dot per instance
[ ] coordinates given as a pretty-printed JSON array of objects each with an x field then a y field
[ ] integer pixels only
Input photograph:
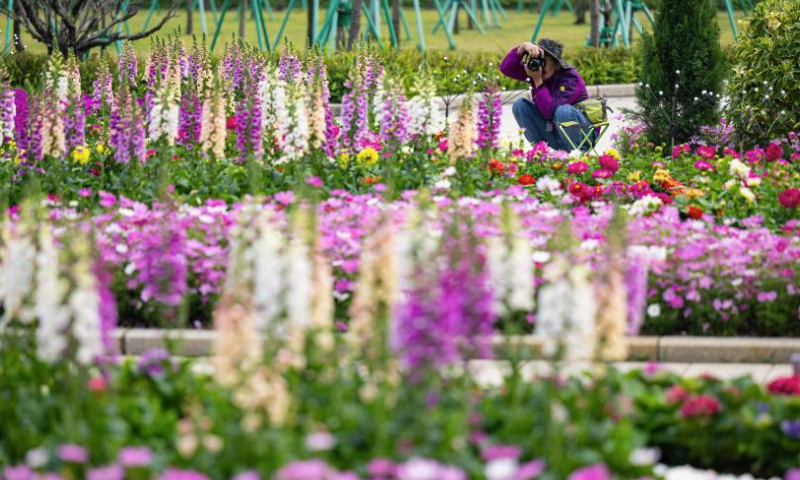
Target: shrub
[
  {"x": 766, "y": 74},
  {"x": 603, "y": 66},
  {"x": 25, "y": 70},
  {"x": 681, "y": 60}
]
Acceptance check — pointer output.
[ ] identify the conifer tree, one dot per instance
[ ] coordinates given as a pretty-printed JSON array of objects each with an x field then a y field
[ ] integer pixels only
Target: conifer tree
[{"x": 683, "y": 68}]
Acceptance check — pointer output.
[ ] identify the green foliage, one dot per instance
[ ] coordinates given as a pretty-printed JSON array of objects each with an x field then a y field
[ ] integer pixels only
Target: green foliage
[
  {"x": 681, "y": 60},
  {"x": 603, "y": 66},
  {"x": 766, "y": 75},
  {"x": 25, "y": 69}
]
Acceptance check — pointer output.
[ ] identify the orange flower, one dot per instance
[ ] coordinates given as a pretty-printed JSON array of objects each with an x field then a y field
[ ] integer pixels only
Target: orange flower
[
  {"x": 672, "y": 186},
  {"x": 526, "y": 179},
  {"x": 371, "y": 180}
]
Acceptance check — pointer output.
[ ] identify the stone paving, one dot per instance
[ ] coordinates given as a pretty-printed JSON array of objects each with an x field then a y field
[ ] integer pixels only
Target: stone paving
[{"x": 490, "y": 372}]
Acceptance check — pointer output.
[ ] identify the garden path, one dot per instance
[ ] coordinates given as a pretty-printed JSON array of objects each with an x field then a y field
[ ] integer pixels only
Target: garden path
[{"x": 491, "y": 372}]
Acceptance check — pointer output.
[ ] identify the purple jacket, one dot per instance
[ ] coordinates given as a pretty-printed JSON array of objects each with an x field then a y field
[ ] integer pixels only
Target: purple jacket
[{"x": 565, "y": 87}]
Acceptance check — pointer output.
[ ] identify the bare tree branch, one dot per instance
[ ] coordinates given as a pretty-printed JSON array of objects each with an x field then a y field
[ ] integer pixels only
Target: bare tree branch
[
  {"x": 80, "y": 25},
  {"x": 119, "y": 36}
]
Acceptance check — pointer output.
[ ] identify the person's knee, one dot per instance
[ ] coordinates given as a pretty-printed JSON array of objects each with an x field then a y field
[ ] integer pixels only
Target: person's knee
[
  {"x": 519, "y": 108},
  {"x": 565, "y": 112}
]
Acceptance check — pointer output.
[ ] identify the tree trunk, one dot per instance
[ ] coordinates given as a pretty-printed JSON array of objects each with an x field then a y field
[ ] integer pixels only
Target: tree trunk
[
  {"x": 341, "y": 39},
  {"x": 242, "y": 18},
  {"x": 355, "y": 26},
  {"x": 396, "y": 5},
  {"x": 594, "y": 36},
  {"x": 17, "y": 31},
  {"x": 310, "y": 32},
  {"x": 189, "y": 17}
]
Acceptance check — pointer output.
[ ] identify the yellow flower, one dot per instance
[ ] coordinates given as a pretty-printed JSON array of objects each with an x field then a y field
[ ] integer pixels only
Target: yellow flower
[
  {"x": 693, "y": 192},
  {"x": 367, "y": 157},
  {"x": 612, "y": 152},
  {"x": 101, "y": 149},
  {"x": 12, "y": 145},
  {"x": 17, "y": 157},
  {"x": 661, "y": 175},
  {"x": 635, "y": 176},
  {"x": 80, "y": 155},
  {"x": 344, "y": 160}
]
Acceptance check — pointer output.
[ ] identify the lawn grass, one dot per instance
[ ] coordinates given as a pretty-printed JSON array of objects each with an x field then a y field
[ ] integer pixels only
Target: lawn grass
[{"x": 516, "y": 29}]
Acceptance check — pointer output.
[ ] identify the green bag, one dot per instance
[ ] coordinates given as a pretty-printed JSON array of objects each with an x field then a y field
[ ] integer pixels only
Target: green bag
[{"x": 595, "y": 110}]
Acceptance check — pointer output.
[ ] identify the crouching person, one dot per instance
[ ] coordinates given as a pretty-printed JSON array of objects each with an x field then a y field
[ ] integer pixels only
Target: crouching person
[{"x": 555, "y": 89}]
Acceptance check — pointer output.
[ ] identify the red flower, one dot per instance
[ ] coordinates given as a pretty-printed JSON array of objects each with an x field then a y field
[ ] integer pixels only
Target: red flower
[
  {"x": 526, "y": 179},
  {"x": 580, "y": 190},
  {"x": 675, "y": 394},
  {"x": 694, "y": 213},
  {"x": 496, "y": 167},
  {"x": 609, "y": 163},
  {"x": 790, "y": 198},
  {"x": 232, "y": 123},
  {"x": 700, "y": 406},
  {"x": 774, "y": 151},
  {"x": 664, "y": 198},
  {"x": 785, "y": 386}
]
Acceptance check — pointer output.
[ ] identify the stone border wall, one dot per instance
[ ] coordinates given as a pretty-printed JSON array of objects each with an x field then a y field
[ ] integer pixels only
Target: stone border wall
[{"x": 197, "y": 343}]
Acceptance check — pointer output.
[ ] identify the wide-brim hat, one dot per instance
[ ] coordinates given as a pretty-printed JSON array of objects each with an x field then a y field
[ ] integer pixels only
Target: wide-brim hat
[{"x": 555, "y": 49}]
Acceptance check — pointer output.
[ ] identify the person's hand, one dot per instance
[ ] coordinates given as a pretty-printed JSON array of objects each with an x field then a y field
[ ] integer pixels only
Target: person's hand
[
  {"x": 536, "y": 76},
  {"x": 531, "y": 49}
]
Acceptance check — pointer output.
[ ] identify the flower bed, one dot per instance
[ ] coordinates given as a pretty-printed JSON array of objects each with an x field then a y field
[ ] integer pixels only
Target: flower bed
[
  {"x": 699, "y": 278},
  {"x": 309, "y": 414},
  {"x": 182, "y": 129}
]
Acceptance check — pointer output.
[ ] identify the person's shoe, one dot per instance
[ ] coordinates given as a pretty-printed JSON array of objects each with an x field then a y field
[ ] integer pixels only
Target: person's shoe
[{"x": 580, "y": 21}]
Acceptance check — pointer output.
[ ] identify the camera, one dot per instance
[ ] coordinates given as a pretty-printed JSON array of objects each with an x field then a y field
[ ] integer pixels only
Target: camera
[{"x": 534, "y": 63}]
